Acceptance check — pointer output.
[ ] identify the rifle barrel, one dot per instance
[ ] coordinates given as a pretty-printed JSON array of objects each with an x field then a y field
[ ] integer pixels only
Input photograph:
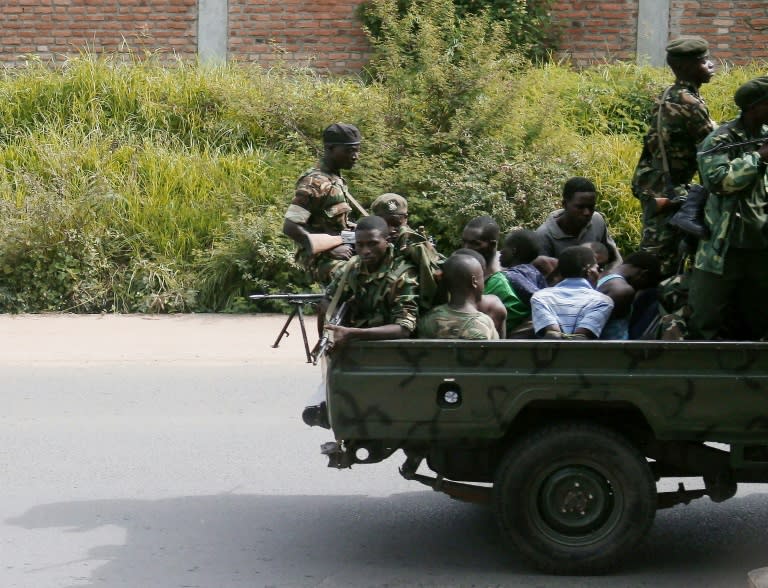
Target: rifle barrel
[
  {"x": 724, "y": 146},
  {"x": 305, "y": 297}
]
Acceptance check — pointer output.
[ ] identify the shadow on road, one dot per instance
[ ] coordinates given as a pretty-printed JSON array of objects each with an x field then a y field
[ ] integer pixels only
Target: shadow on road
[{"x": 410, "y": 539}]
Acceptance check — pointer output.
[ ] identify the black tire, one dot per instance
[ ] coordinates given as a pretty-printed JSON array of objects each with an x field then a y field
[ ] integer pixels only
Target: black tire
[{"x": 573, "y": 498}]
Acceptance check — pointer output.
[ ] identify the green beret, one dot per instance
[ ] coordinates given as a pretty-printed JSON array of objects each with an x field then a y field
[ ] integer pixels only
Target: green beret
[
  {"x": 751, "y": 92},
  {"x": 389, "y": 203},
  {"x": 688, "y": 47}
]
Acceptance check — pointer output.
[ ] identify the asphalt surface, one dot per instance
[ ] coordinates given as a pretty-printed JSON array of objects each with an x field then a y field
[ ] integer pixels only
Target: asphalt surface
[{"x": 167, "y": 451}]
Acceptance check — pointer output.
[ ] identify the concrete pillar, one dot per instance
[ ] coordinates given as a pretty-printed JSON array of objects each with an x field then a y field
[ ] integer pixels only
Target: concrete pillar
[
  {"x": 652, "y": 31},
  {"x": 212, "y": 30}
]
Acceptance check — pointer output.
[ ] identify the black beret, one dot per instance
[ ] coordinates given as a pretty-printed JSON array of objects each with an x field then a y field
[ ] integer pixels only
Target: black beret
[
  {"x": 688, "y": 47},
  {"x": 751, "y": 92},
  {"x": 341, "y": 134}
]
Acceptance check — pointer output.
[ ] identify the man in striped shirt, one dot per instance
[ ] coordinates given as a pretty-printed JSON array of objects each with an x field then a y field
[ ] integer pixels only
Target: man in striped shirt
[{"x": 572, "y": 309}]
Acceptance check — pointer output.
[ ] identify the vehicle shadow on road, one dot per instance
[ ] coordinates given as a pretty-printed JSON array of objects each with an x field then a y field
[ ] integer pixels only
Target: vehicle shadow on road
[{"x": 408, "y": 539}]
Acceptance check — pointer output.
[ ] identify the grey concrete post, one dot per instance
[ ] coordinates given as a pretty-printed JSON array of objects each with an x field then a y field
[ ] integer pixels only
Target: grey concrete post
[
  {"x": 212, "y": 30},
  {"x": 652, "y": 31}
]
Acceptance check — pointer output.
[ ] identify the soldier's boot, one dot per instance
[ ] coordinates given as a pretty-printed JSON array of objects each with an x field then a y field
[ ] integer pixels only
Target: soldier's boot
[
  {"x": 690, "y": 217},
  {"x": 316, "y": 415}
]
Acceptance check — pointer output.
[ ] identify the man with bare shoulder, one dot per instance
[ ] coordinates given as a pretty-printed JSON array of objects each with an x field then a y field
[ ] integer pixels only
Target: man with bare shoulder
[
  {"x": 638, "y": 271},
  {"x": 460, "y": 317}
]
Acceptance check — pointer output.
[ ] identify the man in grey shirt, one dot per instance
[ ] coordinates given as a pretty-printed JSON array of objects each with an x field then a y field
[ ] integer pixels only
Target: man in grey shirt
[{"x": 577, "y": 223}]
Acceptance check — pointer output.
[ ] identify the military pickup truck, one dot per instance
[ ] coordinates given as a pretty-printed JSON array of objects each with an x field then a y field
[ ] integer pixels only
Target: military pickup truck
[{"x": 566, "y": 440}]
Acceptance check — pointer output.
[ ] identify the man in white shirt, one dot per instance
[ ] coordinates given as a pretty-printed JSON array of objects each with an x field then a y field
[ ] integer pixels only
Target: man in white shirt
[{"x": 572, "y": 309}]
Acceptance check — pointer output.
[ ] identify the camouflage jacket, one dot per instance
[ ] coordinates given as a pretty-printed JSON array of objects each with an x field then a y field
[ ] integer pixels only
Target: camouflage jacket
[
  {"x": 731, "y": 175},
  {"x": 388, "y": 295},
  {"x": 444, "y": 322},
  {"x": 685, "y": 121},
  {"x": 418, "y": 250}
]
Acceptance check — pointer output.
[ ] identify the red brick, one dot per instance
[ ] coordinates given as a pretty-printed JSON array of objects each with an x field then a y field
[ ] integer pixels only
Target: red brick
[{"x": 593, "y": 30}]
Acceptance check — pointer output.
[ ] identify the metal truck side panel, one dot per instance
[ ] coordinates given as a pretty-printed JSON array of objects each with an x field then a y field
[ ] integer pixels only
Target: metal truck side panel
[{"x": 391, "y": 390}]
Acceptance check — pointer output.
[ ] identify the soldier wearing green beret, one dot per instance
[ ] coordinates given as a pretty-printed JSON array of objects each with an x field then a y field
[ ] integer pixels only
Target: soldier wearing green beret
[
  {"x": 412, "y": 246},
  {"x": 321, "y": 205},
  {"x": 679, "y": 121},
  {"x": 730, "y": 274}
]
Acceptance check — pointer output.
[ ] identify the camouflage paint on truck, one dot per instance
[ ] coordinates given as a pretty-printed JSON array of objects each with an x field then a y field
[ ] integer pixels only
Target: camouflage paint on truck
[
  {"x": 393, "y": 390},
  {"x": 571, "y": 435}
]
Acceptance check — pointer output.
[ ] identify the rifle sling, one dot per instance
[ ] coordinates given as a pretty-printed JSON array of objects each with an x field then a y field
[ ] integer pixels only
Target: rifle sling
[
  {"x": 337, "y": 294},
  {"x": 356, "y": 204},
  {"x": 664, "y": 162}
]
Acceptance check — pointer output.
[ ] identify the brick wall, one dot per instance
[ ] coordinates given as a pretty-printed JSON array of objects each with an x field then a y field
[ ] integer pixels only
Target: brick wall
[
  {"x": 323, "y": 33},
  {"x": 736, "y": 31},
  {"x": 597, "y": 30},
  {"x": 54, "y": 28},
  {"x": 327, "y": 35},
  {"x": 594, "y": 30}
]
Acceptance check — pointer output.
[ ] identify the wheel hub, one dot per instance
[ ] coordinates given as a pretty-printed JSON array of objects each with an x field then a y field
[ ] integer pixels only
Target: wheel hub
[{"x": 575, "y": 500}]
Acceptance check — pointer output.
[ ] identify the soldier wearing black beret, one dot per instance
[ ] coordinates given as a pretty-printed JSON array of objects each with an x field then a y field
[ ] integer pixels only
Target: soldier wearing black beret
[
  {"x": 320, "y": 211},
  {"x": 679, "y": 121}
]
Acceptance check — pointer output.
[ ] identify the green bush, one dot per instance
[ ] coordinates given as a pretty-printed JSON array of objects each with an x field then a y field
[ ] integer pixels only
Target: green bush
[
  {"x": 528, "y": 24},
  {"x": 140, "y": 187}
]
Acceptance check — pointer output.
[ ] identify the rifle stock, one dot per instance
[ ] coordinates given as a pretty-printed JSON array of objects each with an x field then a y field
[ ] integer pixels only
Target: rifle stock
[{"x": 324, "y": 343}]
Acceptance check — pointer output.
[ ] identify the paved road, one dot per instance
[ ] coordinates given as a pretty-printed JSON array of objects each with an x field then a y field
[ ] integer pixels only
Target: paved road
[{"x": 168, "y": 452}]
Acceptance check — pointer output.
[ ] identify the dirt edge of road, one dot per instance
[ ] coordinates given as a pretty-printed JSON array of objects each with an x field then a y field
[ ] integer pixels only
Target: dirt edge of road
[{"x": 62, "y": 338}]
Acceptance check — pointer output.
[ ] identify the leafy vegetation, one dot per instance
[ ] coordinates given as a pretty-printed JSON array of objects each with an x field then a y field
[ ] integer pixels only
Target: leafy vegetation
[
  {"x": 133, "y": 186},
  {"x": 528, "y": 25}
]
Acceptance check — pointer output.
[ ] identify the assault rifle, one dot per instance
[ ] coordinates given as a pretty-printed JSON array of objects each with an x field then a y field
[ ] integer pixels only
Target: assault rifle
[
  {"x": 297, "y": 301},
  {"x": 723, "y": 146},
  {"x": 322, "y": 345}
]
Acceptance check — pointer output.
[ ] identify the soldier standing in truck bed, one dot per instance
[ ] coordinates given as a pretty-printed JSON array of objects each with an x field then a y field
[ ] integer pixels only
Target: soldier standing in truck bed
[
  {"x": 683, "y": 120},
  {"x": 730, "y": 270},
  {"x": 321, "y": 206}
]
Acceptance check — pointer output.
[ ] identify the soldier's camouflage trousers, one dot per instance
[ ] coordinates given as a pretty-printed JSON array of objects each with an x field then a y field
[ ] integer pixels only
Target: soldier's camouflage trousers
[
  {"x": 319, "y": 268},
  {"x": 673, "y": 305},
  {"x": 660, "y": 239}
]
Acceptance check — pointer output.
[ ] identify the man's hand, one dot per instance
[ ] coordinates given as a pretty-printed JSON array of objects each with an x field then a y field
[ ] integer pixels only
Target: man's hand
[
  {"x": 341, "y": 252},
  {"x": 663, "y": 204},
  {"x": 341, "y": 335},
  {"x": 545, "y": 264},
  {"x": 763, "y": 152}
]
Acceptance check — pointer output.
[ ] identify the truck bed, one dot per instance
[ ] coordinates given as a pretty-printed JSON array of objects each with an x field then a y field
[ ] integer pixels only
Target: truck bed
[{"x": 396, "y": 390}]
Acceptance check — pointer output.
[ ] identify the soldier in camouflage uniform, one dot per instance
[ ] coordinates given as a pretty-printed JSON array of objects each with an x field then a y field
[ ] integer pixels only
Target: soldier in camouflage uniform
[
  {"x": 413, "y": 246},
  {"x": 321, "y": 203},
  {"x": 382, "y": 288},
  {"x": 382, "y": 294},
  {"x": 730, "y": 273},
  {"x": 460, "y": 318},
  {"x": 685, "y": 121}
]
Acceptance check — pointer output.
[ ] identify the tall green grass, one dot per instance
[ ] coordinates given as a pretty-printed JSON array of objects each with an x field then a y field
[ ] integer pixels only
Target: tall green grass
[{"x": 137, "y": 186}]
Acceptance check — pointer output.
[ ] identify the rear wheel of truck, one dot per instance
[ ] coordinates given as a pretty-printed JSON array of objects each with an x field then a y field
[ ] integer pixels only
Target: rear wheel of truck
[{"x": 573, "y": 498}]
